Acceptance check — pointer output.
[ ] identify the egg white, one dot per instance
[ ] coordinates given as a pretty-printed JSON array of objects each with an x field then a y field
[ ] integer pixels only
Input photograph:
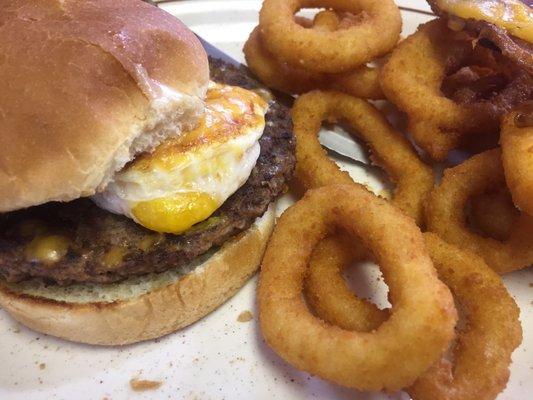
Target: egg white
[{"x": 215, "y": 167}]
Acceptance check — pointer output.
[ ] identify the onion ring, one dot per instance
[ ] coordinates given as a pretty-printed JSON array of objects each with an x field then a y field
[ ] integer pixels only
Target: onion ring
[
  {"x": 412, "y": 79},
  {"x": 423, "y": 317},
  {"x": 274, "y": 74},
  {"x": 331, "y": 52},
  {"x": 482, "y": 351},
  {"x": 414, "y": 180},
  {"x": 517, "y": 156},
  {"x": 327, "y": 293},
  {"x": 362, "y": 82},
  {"x": 445, "y": 214}
]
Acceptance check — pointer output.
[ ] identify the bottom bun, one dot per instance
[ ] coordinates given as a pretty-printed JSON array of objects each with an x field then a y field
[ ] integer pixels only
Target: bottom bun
[{"x": 141, "y": 308}]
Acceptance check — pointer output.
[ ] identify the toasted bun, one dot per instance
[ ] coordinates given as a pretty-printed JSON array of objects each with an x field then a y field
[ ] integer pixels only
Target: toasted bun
[
  {"x": 85, "y": 85},
  {"x": 137, "y": 314}
]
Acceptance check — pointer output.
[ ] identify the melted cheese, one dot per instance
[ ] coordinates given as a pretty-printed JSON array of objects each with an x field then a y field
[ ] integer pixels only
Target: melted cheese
[
  {"x": 264, "y": 93},
  {"x": 47, "y": 249},
  {"x": 229, "y": 112},
  {"x": 147, "y": 242},
  {"x": 512, "y": 15},
  {"x": 114, "y": 256}
]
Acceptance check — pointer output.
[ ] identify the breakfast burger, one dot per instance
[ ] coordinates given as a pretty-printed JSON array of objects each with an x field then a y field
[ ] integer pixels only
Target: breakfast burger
[
  {"x": 504, "y": 26},
  {"x": 137, "y": 177}
]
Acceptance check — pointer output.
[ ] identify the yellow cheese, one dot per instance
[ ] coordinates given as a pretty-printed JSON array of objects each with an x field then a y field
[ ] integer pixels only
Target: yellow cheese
[
  {"x": 229, "y": 110},
  {"x": 47, "y": 249},
  {"x": 149, "y": 241},
  {"x": 114, "y": 256}
]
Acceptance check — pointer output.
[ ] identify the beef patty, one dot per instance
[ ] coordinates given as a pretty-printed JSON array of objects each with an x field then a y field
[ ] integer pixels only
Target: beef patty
[{"x": 104, "y": 247}]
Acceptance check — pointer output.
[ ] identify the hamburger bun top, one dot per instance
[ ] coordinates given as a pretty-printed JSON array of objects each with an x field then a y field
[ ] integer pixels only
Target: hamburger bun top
[{"x": 86, "y": 85}]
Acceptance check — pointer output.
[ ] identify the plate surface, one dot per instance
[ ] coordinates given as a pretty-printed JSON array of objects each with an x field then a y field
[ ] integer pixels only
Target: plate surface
[{"x": 218, "y": 357}]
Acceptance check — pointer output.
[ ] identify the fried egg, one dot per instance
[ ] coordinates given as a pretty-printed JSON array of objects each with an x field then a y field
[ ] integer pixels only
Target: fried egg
[{"x": 185, "y": 179}]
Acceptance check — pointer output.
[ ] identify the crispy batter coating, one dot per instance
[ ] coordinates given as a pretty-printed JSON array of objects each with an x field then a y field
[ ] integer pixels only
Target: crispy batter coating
[
  {"x": 361, "y": 82},
  {"x": 423, "y": 318},
  {"x": 488, "y": 337},
  {"x": 374, "y": 35},
  {"x": 390, "y": 149},
  {"x": 327, "y": 293},
  {"x": 481, "y": 353},
  {"x": 517, "y": 156},
  {"x": 446, "y": 216}
]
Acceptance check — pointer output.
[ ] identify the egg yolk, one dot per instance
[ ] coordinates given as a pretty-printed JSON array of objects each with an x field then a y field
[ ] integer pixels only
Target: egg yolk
[{"x": 174, "y": 214}]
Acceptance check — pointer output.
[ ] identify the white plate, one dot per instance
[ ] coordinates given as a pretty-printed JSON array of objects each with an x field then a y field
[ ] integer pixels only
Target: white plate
[{"x": 217, "y": 358}]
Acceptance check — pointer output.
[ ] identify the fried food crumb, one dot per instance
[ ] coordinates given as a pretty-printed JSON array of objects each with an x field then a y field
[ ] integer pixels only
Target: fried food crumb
[
  {"x": 141, "y": 385},
  {"x": 245, "y": 316}
]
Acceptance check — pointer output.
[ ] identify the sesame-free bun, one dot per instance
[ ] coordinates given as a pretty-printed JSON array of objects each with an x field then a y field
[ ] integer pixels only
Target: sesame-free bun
[
  {"x": 86, "y": 85},
  {"x": 142, "y": 308}
]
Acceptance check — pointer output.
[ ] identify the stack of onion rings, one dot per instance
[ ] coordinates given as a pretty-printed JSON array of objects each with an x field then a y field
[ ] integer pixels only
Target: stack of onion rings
[
  {"x": 423, "y": 316},
  {"x": 331, "y": 52},
  {"x": 362, "y": 81},
  {"x": 482, "y": 351},
  {"x": 454, "y": 91},
  {"x": 517, "y": 155},
  {"x": 390, "y": 149},
  {"x": 445, "y": 214}
]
